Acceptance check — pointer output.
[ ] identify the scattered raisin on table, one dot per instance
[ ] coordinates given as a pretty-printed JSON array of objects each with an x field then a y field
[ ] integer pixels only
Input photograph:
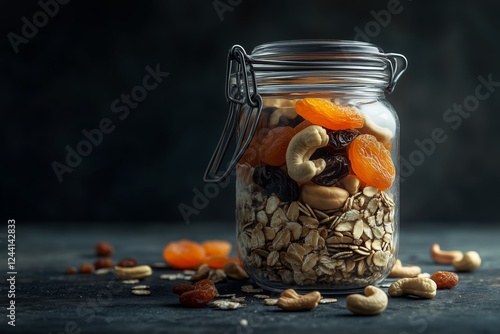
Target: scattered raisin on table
[
  {"x": 180, "y": 288},
  {"x": 445, "y": 279},
  {"x": 127, "y": 262},
  {"x": 104, "y": 248},
  {"x": 86, "y": 268},
  {"x": 70, "y": 271},
  {"x": 203, "y": 293},
  {"x": 104, "y": 262},
  {"x": 274, "y": 180}
]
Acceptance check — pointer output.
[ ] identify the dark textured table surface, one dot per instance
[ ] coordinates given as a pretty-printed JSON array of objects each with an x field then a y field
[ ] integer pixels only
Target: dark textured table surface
[{"x": 47, "y": 301}]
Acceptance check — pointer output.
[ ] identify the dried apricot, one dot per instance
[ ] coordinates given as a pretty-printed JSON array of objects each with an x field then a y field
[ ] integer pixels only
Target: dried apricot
[
  {"x": 445, "y": 279},
  {"x": 216, "y": 247},
  {"x": 371, "y": 162},
  {"x": 203, "y": 293},
  {"x": 329, "y": 115},
  {"x": 252, "y": 154},
  {"x": 302, "y": 125},
  {"x": 184, "y": 254},
  {"x": 274, "y": 145},
  {"x": 218, "y": 262}
]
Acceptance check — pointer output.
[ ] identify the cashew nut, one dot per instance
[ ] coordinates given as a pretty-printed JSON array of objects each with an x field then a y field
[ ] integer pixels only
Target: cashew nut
[
  {"x": 136, "y": 272},
  {"x": 398, "y": 271},
  {"x": 300, "y": 149},
  {"x": 420, "y": 287},
  {"x": 470, "y": 261},
  {"x": 373, "y": 303},
  {"x": 383, "y": 135},
  {"x": 323, "y": 198},
  {"x": 278, "y": 103},
  {"x": 290, "y": 300},
  {"x": 234, "y": 271},
  {"x": 351, "y": 183},
  {"x": 444, "y": 257},
  {"x": 274, "y": 119}
]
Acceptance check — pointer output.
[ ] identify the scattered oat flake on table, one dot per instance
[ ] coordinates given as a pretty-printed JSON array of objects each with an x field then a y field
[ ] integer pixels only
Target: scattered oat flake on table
[
  {"x": 225, "y": 305},
  {"x": 251, "y": 289},
  {"x": 238, "y": 299},
  {"x": 140, "y": 287},
  {"x": 102, "y": 271},
  {"x": 141, "y": 292},
  {"x": 261, "y": 296},
  {"x": 130, "y": 281},
  {"x": 173, "y": 277},
  {"x": 160, "y": 265},
  {"x": 189, "y": 272},
  {"x": 244, "y": 322},
  {"x": 271, "y": 301},
  {"x": 227, "y": 295},
  {"x": 328, "y": 300}
]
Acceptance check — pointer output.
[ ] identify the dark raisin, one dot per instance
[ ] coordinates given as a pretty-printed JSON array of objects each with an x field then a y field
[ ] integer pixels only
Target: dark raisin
[
  {"x": 337, "y": 167},
  {"x": 342, "y": 138},
  {"x": 274, "y": 180}
]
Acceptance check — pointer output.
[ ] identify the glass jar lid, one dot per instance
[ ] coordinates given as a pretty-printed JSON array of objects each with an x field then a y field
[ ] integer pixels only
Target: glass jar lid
[
  {"x": 350, "y": 67},
  {"x": 300, "y": 67}
]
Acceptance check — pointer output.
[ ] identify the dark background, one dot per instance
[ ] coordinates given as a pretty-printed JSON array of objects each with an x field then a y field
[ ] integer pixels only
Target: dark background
[{"x": 66, "y": 77}]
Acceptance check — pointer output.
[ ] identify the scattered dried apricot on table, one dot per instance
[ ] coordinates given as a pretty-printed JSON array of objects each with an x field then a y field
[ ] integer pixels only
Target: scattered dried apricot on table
[
  {"x": 218, "y": 262},
  {"x": 216, "y": 248},
  {"x": 329, "y": 115},
  {"x": 184, "y": 254},
  {"x": 371, "y": 162},
  {"x": 445, "y": 279}
]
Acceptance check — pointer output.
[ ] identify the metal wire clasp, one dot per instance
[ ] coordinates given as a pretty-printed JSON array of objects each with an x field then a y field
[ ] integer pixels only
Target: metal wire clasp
[
  {"x": 398, "y": 64},
  {"x": 245, "y": 106}
]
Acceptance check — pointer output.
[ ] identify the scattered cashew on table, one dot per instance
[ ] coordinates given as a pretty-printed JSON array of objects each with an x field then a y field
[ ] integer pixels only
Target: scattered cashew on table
[
  {"x": 420, "y": 287},
  {"x": 462, "y": 262},
  {"x": 444, "y": 257},
  {"x": 400, "y": 271},
  {"x": 470, "y": 261},
  {"x": 374, "y": 302},
  {"x": 290, "y": 300}
]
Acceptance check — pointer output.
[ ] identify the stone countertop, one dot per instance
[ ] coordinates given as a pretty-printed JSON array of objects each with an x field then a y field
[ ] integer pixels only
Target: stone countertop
[{"x": 47, "y": 301}]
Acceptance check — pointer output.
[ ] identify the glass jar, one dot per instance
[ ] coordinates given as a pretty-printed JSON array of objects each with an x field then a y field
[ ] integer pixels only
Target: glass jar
[{"x": 316, "y": 154}]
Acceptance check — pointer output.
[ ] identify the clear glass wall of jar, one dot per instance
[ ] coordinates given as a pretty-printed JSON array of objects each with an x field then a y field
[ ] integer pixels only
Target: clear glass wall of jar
[{"x": 317, "y": 188}]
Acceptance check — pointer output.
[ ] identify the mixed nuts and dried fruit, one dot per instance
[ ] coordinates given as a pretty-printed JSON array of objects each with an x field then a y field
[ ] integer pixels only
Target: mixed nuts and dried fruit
[
  {"x": 203, "y": 291},
  {"x": 314, "y": 201}
]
